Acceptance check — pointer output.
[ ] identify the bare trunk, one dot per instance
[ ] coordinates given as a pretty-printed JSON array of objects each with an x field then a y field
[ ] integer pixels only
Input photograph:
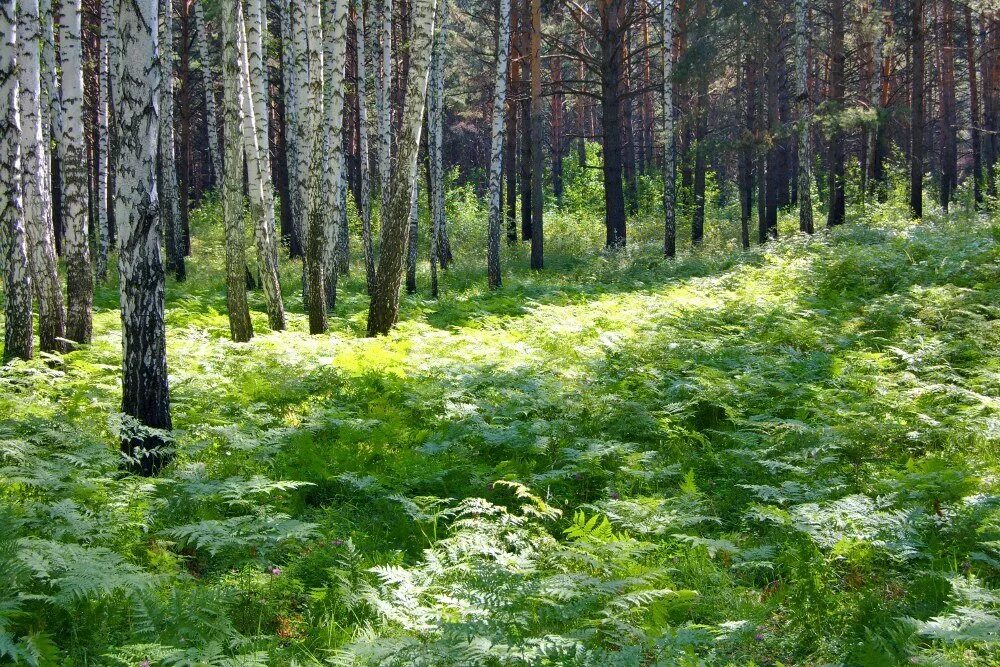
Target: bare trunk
[
  {"x": 497, "y": 147},
  {"x": 917, "y": 108},
  {"x": 803, "y": 130}
]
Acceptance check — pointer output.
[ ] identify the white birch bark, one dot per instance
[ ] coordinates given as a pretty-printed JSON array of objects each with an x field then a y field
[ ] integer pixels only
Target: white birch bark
[
  {"x": 496, "y": 148},
  {"x": 334, "y": 19},
  {"x": 135, "y": 86},
  {"x": 17, "y": 338},
  {"x": 259, "y": 184},
  {"x": 37, "y": 195},
  {"x": 51, "y": 107},
  {"x": 76, "y": 249},
  {"x": 803, "y": 129},
  {"x": 364, "y": 206},
  {"x": 290, "y": 86},
  {"x": 383, "y": 83},
  {"x": 435, "y": 132},
  {"x": 313, "y": 149},
  {"x": 343, "y": 236},
  {"x": 170, "y": 212},
  {"x": 103, "y": 230},
  {"x": 304, "y": 51},
  {"x": 240, "y": 327},
  {"x": 211, "y": 118},
  {"x": 669, "y": 143},
  {"x": 384, "y": 308}
]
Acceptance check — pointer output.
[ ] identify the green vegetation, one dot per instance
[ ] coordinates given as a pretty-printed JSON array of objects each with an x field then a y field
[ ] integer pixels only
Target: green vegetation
[{"x": 785, "y": 456}]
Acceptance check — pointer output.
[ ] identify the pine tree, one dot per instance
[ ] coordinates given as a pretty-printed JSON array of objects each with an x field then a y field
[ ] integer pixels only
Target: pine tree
[
  {"x": 804, "y": 130},
  {"x": 103, "y": 229},
  {"x": 669, "y": 136}
]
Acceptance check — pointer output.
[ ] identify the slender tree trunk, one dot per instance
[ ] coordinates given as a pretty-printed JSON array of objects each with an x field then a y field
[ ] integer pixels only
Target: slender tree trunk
[
  {"x": 384, "y": 308},
  {"x": 169, "y": 209},
  {"x": 525, "y": 178},
  {"x": 880, "y": 99},
  {"x": 975, "y": 118},
  {"x": 581, "y": 100},
  {"x": 37, "y": 195},
  {"x": 103, "y": 143},
  {"x": 496, "y": 147},
  {"x": 628, "y": 133},
  {"x": 17, "y": 341},
  {"x": 917, "y": 108},
  {"x": 838, "y": 57},
  {"x": 135, "y": 85},
  {"x": 435, "y": 123},
  {"x": 51, "y": 112},
  {"x": 803, "y": 130},
  {"x": 537, "y": 238},
  {"x": 700, "y": 136},
  {"x": 383, "y": 87},
  {"x": 669, "y": 134},
  {"x": 511, "y": 165},
  {"x": 749, "y": 85},
  {"x": 334, "y": 15},
  {"x": 201, "y": 37},
  {"x": 240, "y": 327},
  {"x": 989, "y": 81},
  {"x": 313, "y": 173},
  {"x": 949, "y": 120},
  {"x": 79, "y": 270},
  {"x": 555, "y": 65},
  {"x": 411, "y": 241},
  {"x": 611, "y": 46},
  {"x": 364, "y": 205},
  {"x": 185, "y": 171}
]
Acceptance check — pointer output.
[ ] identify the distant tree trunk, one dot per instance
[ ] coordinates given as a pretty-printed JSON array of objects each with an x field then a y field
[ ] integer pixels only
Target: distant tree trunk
[
  {"x": 383, "y": 84},
  {"x": 838, "y": 57},
  {"x": 612, "y": 66},
  {"x": 772, "y": 175},
  {"x": 497, "y": 146},
  {"x": 169, "y": 210},
  {"x": 700, "y": 136},
  {"x": 291, "y": 21},
  {"x": 135, "y": 82},
  {"x": 411, "y": 241},
  {"x": 240, "y": 327},
  {"x": 334, "y": 15},
  {"x": 511, "y": 165},
  {"x": 629, "y": 134},
  {"x": 79, "y": 270},
  {"x": 257, "y": 172},
  {"x": 989, "y": 83},
  {"x": 203, "y": 48},
  {"x": 975, "y": 118},
  {"x": 669, "y": 134},
  {"x": 555, "y": 65},
  {"x": 749, "y": 85},
  {"x": 51, "y": 112},
  {"x": 384, "y": 307},
  {"x": 185, "y": 171},
  {"x": 103, "y": 230},
  {"x": 37, "y": 195},
  {"x": 537, "y": 238},
  {"x": 581, "y": 100},
  {"x": 803, "y": 129},
  {"x": 917, "y": 108},
  {"x": 949, "y": 121},
  {"x": 364, "y": 205},
  {"x": 527, "y": 162},
  {"x": 17, "y": 341},
  {"x": 440, "y": 252},
  {"x": 880, "y": 80}
]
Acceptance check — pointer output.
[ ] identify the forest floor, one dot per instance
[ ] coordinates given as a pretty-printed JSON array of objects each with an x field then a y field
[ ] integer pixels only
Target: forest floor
[{"x": 783, "y": 456}]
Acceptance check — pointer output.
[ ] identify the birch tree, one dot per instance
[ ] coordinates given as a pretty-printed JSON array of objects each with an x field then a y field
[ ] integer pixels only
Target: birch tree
[
  {"x": 669, "y": 141},
  {"x": 435, "y": 131},
  {"x": 364, "y": 206},
  {"x": 497, "y": 147},
  {"x": 383, "y": 83},
  {"x": 313, "y": 174},
  {"x": 17, "y": 340},
  {"x": 258, "y": 172},
  {"x": 169, "y": 208},
  {"x": 306, "y": 47},
  {"x": 240, "y": 326},
  {"x": 201, "y": 44},
  {"x": 36, "y": 191},
  {"x": 103, "y": 230},
  {"x": 136, "y": 81},
  {"x": 384, "y": 308},
  {"x": 803, "y": 131},
  {"x": 334, "y": 20},
  {"x": 79, "y": 271},
  {"x": 290, "y": 13}
]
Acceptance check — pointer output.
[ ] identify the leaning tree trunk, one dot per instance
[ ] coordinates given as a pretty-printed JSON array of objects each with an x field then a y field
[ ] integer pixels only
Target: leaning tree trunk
[
  {"x": 312, "y": 122},
  {"x": 259, "y": 176},
  {"x": 79, "y": 271},
  {"x": 201, "y": 38},
  {"x": 669, "y": 140},
  {"x": 170, "y": 212},
  {"x": 334, "y": 14},
  {"x": 497, "y": 145},
  {"x": 37, "y": 194},
  {"x": 103, "y": 229},
  {"x": 384, "y": 308},
  {"x": 804, "y": 129},
  {"x": 136, "y": 80},
  {"x": 365, "y": 205},
  {"x": 240, "y": 327},
  {"x": 17, "y": 340},
  {"x": 917, "y": 108}
]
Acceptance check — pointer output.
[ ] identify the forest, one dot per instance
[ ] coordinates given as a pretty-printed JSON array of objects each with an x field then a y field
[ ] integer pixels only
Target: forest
[{"x": 500, "y": 333}]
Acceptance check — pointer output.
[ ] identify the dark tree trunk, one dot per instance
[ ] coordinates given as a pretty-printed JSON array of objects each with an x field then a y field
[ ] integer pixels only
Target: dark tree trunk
[
  {"x": 949, "y": 129},
  {"x": 975, "y": 119},
  {"x": 838, "y": 57},
  {"x": 917, "y": 108},
  {"x": 537, "y": 251},
  {"x": 700, "y": 136},
  {"x": 612, "y": 12},
  {"x": 510, "y": 140}
]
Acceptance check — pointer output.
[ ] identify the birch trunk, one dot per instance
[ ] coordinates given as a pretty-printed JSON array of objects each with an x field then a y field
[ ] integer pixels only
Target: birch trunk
[
  {"x": 343, "y": 237},
  {"x": 384, "y": 308},
  {"x": 51, "y": 113},
  {"x": 306, "y": 48},
  {"x": 136, "y": 81},
  {"x": 497, "y": 145},
  {"x": 383, "y": 84},
  {"x": 201, "y": 35},
  {"x": 313, "y": 149},
  {"x": 79, "y": 271},
  {"x": 170, "y": 212},
  {"x": 435, "y": 130},
  {"x": 669, "y": 139},
  {"x": 240, "y": 327},
  {"x": 36, "y": 192},
  {"x": 17, "y": 340},
  {"x": 290, "y": 86},
  {"x": 803, "y": 131},
  {"x": 334, "y": 15},
  {"x": 103, "y": 143},
  {"x": 364, "y": 206},
  {"x": 259, "y": 175},
  {"x": 411, "y": 240}
]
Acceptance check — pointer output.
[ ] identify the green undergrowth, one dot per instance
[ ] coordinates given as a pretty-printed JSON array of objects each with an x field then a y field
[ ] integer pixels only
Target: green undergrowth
[{"x": 784, "y": 456}]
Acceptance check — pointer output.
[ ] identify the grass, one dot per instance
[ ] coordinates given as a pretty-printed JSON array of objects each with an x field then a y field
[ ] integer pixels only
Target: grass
[{"x": 784, "y": 456}]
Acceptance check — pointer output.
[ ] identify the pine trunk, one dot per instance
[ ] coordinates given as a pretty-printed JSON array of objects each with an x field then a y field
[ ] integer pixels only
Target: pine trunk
[
  {"x": 803, "y": 130},
  {"x": 669, "y": 141},
  {"x": 917, "y": 108},
  {"x": 838, "y": 58}
]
